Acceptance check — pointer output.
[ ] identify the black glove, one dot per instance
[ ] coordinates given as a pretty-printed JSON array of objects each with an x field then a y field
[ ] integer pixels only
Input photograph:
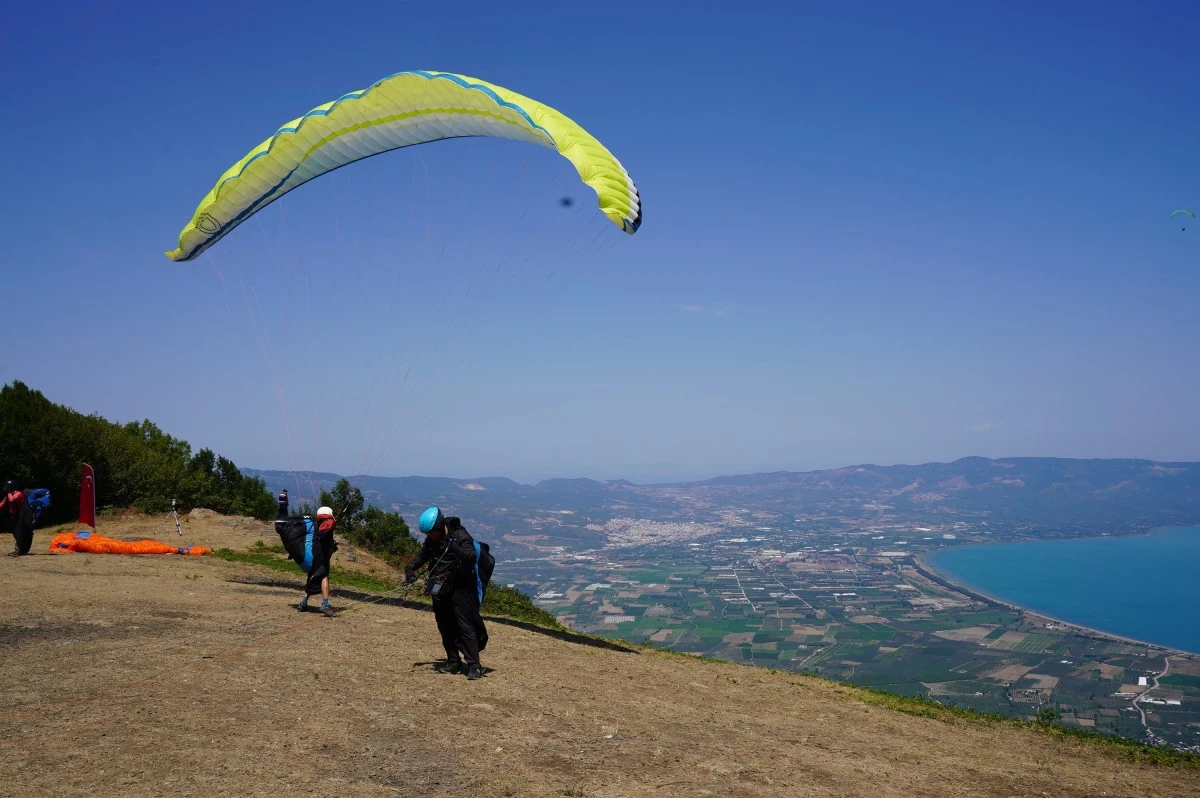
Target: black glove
[{"x": 409, "y": 576}]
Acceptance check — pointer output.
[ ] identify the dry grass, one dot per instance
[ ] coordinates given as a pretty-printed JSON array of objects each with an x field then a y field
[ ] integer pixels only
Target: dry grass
[{"x": 158, "y": 676}]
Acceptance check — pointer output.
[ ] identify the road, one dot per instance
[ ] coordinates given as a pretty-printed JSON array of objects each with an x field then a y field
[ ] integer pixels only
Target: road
[{"x": 1151, "y": 736}]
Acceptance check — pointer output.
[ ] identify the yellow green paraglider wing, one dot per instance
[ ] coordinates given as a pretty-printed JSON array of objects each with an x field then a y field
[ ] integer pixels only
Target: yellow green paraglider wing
[
  {"x": 404, "y": 109},
  {"x": 1183, "y": 210}
]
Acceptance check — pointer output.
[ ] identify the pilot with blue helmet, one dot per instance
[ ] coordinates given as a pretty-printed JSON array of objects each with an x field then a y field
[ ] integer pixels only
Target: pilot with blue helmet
[{"x": 449, "y": 550}]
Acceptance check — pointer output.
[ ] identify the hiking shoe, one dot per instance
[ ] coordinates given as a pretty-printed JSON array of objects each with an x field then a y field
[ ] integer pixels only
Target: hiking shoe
[
  {"x": 302, "y": 606},
  {"x": 329, "y": 613},
  {"x": 448, "y": 667},
  {"x": 474, "y": 672}
]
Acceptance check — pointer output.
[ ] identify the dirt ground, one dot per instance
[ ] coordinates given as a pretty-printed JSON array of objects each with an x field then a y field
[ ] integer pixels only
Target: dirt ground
[{"x": 191, "y": 676}]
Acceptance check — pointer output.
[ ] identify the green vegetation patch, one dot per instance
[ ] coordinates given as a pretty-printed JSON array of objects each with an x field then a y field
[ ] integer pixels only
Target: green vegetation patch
[
  {"x": 512, "y": 603},
  {"x": 988, "y": 618},
  {"x": 136, "y": 465},
  {"x": 912, "y": 665},
  {"x": 940, "y": 651},
  {"x": 930, "y": 624},
  {"x": 1036, "y": 642},
  {"x": 271, "y": 557},
  {"x": 1135, "y": 751},
  {"x": 1180, "y": 680},
  {"x": 914, "y": 673},
  {"x": 968, "y": 687},
  {"x": 910, "y": 689},
  {"x": 864, "y": 631}
]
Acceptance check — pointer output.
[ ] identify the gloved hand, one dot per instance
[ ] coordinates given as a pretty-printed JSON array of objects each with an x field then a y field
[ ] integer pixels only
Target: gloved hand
[{"x": 409, "y": 576}]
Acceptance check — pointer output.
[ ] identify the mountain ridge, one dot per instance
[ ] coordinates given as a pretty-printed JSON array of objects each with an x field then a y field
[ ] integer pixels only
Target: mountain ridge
[
  {"x": 746, "y": 477},
  {"x": 1109, "y": 495}
]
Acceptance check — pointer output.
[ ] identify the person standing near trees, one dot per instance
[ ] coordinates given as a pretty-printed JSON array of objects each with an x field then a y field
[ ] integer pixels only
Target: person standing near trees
[
  {"x": 449, "y": 550},
  {"x": 16, "y": 517},
  {"x": 282, "y": 499}
]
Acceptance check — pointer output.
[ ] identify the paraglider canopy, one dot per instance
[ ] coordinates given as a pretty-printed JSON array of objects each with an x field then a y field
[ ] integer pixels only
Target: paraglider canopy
[
  {"x": 402, "y": 110},
  {"x": 1183, "y": 211}
]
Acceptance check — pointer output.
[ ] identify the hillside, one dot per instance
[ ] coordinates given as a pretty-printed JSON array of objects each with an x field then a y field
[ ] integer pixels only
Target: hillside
[
  {"x": 195, "y": 676},
  {"x": 1045, "y": 496},
  {"x": 137, "y": 464}
]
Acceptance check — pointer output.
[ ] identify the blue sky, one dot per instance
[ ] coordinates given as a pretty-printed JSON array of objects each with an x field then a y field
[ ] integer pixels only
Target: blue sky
[{"x": 878, "y": 232}]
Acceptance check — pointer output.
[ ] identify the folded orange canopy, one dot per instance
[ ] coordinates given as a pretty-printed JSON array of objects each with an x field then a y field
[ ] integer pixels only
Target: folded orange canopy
[{"x": 95, "y": 543}]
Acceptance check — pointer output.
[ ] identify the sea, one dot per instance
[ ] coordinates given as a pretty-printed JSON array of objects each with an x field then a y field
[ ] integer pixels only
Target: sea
[{"x": 1145, "y": 587}]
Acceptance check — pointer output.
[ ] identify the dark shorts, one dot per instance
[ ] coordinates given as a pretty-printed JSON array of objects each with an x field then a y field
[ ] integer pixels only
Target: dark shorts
[{"x": 323, "y": 549}]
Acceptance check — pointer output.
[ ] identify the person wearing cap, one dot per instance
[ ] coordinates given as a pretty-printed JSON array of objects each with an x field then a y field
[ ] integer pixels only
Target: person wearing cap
[
  {"x": 282, "y": 500},
  {"x": 449, "y": 550},
  {"x": 16, "y": 517},
  {"x": 323, "y": 547}
]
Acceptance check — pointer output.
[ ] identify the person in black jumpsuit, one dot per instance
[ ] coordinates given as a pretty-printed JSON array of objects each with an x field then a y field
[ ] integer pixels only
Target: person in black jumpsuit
[
  {"x": 449, "y": 550},
  {"x": 16, "y": 517}
]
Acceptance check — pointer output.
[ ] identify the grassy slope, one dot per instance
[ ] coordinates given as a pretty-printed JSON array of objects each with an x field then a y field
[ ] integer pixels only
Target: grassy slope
[{"x": 180, "y": 674}]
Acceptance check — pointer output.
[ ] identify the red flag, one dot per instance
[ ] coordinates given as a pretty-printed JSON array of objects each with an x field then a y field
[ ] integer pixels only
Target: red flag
[{"x": 87, "y": 497}]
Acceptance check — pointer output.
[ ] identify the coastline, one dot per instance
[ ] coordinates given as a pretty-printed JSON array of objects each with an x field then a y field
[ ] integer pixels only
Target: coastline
[{"x": 928, "y": 571}]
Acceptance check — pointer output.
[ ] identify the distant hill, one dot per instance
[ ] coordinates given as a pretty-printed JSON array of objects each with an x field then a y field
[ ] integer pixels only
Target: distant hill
[
  {"x": 1035, "y": 490},
  {"x": 1053, "y": 495}
]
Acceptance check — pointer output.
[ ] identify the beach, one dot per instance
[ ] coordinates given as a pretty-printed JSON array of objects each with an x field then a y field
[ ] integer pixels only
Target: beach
[{"x": 930, "y": 571}]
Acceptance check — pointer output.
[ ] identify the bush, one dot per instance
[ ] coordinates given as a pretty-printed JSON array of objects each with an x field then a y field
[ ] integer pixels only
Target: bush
[
  {"x": 1047, "y": 716},
  {"x": 137, "y": 465},
  {"x": 383, "y": 533}
]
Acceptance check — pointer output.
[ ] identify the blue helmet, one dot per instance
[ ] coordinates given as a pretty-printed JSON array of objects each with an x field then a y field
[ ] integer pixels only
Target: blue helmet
[{"x": 430, "y": 519}]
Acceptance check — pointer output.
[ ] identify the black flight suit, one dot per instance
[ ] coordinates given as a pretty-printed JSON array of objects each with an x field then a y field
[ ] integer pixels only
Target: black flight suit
[
  {"x": 17, "y": 517},
  {"x": 456, "y": 607}
]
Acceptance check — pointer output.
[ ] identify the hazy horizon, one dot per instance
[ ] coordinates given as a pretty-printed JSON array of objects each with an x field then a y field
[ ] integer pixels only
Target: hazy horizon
[{"x": 669, "y": 468}]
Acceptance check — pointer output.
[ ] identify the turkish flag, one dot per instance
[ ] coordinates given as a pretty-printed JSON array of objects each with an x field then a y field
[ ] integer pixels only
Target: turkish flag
[{"x": 87, "y": 497}]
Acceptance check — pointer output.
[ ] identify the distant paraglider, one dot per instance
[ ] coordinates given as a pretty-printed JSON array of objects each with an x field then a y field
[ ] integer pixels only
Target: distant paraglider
[
  {"x": 566, "y": 202},
  {"x": 1186, "y": 211}
]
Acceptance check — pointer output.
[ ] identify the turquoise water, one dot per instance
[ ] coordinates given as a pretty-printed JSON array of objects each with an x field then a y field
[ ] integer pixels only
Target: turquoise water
[{"x": 1146, "y": 587}]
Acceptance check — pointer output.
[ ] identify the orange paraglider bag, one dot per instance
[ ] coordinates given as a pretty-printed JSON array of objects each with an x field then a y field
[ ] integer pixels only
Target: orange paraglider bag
[{"x": 94, "y": 543}]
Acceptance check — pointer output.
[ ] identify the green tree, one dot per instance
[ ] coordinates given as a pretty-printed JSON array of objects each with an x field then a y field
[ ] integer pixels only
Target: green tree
[
  {"x": 203, "y": 463},
  {"x": 386, "y": 534},
  {"x": 1047, "y": 716},
  {"x": 345, "y": 499},
  {"x": 137, "y": 464},
  {"x": 383, "y": 533}
]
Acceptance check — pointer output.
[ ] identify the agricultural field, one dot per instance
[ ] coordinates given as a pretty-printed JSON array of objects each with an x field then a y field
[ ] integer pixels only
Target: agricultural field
[{"x": 818, "y": 605}]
